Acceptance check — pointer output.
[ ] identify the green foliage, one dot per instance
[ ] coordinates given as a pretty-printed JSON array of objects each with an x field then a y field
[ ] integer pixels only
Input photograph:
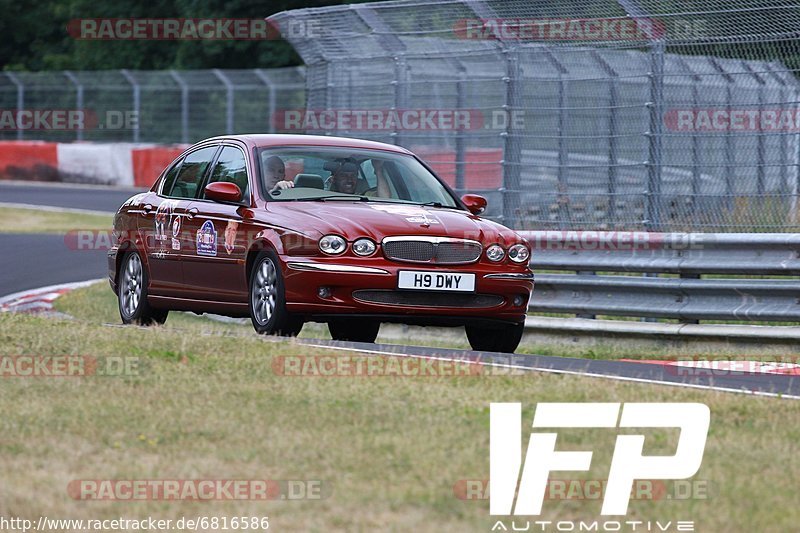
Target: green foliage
[{"x": 34, "y": 36}]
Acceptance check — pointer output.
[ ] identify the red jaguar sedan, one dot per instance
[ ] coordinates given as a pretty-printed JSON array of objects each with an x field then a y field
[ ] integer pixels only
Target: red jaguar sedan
[{"x": 288, "y": 229}]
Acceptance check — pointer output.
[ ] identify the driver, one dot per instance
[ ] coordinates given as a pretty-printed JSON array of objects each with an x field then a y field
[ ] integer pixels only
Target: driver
[{"x": 276, "y": 174}]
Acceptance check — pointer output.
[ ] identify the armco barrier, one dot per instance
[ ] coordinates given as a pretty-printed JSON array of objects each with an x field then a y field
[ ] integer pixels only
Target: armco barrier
[{"x": 602, "y": 263}]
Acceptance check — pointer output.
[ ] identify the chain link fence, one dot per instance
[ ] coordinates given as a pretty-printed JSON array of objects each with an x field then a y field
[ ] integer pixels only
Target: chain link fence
[
  {"x": 629, "y": 114},
  {"x": 145, "y": 106}
]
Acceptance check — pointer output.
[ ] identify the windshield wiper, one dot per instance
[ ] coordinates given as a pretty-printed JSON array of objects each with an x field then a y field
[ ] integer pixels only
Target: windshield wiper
[
  {"x": 438, "y": 204},
  {"x": 353, "y": 197}
]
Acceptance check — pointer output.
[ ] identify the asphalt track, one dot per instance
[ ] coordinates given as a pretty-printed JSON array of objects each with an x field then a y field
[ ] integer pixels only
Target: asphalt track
[
  {"x": 32, "y": 260},
  {"x": 29, "y": 261},
  {"x": 762, "y": 384},
  {"x": 96, "y": 198}
]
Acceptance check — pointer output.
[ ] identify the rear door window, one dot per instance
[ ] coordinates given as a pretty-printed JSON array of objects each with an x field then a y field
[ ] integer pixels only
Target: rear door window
[{"x": 190, "y": 174}]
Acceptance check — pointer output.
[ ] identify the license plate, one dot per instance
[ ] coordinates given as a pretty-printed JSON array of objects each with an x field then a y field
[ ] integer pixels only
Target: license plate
[{"x": 436, "y": 281}]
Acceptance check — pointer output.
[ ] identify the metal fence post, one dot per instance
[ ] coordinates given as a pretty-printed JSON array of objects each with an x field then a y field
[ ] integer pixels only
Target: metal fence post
[
  {"x": 184, "y": 106},
  {"x": 564, "y": 214},
  {"x": 228, "y": 100},
  {"x": 613, "y": 156},
  {"x": 20, "y": 98},
  {"x": 460, "y": 150},
  {"x": 272, "y": 97},
  {"x": 137, "y": 101},
  {"x": 400, "y": 92},
  {"x": 512, "y": 149},
  {"x": 78, "y": 100},
  {"x": 652, "y": 220}
]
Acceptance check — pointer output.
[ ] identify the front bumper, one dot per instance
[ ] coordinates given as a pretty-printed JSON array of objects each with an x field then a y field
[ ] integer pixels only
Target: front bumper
[{"x": 501, "y": 292}]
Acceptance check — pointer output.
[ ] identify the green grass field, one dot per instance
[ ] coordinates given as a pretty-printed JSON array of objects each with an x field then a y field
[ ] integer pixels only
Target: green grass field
[
  {"x": 388, "y": 450},
  {"x": 23, "y": 220}
]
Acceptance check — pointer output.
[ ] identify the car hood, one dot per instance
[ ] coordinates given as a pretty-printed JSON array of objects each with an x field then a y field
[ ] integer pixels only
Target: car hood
[{"x": 377, "y": 220}]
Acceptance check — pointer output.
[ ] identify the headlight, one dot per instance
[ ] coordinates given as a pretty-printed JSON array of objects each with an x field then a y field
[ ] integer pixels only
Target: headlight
[
  {"x": 495, "y": 253},
  {"x": 364, "y": 247},
  {"x": 519, "y": 253},
  {"x": 332, "y": 244}
]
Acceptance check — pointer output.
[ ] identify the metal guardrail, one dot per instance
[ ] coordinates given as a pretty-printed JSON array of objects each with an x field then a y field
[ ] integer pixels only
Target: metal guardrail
[{"x": 603, "y": 262}]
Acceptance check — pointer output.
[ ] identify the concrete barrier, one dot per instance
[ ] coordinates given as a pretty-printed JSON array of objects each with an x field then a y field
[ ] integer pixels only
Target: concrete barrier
[
  {"x": 29, "y": 160},
  {"x": 119, "y": 164}
]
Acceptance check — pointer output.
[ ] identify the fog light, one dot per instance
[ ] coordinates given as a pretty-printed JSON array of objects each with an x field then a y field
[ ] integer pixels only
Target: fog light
[
  {"x": 324, "y": 292},
  {"x": 518, "y": 300}
]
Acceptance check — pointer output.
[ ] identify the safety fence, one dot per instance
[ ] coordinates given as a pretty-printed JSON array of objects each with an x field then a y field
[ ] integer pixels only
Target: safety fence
[
  {"x": 169, "y": 106},
  {"x": 628, "y": 114},
  {"x": 684, "y": 276}
]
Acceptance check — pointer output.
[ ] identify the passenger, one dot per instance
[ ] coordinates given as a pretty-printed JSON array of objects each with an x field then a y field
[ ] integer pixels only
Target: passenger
[{"x": 345, "y": 178}]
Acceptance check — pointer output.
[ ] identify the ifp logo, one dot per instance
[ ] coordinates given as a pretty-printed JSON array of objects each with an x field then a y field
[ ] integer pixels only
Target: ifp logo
[{"x": 627, "y": 464}]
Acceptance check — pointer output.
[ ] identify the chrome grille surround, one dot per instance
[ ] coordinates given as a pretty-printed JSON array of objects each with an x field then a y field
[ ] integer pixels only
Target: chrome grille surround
[{"x": 433, "y": 250}]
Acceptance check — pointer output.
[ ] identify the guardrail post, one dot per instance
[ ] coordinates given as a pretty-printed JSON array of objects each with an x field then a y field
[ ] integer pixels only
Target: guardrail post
[
  {"x": 20, "y": 98},
  {"x": 78, "y": 100},
  {"x": 684, "y": 275},
  {"x": 137, "y": 101},
  {"x": 589, "y": 316}
]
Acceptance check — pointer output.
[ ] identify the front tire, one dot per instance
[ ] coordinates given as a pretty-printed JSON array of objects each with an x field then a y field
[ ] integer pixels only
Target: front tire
[
  {"x": 354, "y": 330},
  {"x": 504, "y": 338},
  {"x": 268, "y": 301},
  {"x": 132, "y": 294}
]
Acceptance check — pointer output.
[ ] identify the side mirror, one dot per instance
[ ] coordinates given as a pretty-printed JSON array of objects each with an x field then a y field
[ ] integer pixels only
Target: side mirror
[
  {"x": 223, "y": 191},
  {"x": 475, "y": 203}
]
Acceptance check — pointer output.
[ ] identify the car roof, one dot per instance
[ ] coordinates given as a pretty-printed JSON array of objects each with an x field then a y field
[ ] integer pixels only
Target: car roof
[{"x": 263, "y": 140}]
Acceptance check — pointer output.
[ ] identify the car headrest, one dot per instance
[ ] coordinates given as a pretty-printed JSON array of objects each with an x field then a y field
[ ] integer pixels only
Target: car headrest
[{"x": 312, "y": 181}]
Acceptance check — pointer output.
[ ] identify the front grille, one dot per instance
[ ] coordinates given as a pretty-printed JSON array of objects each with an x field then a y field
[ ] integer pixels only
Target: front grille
[
  {"x": 428, "y": 299},
  {"x": 442, "y": 251},
  {"x": 416, "y": 251}
]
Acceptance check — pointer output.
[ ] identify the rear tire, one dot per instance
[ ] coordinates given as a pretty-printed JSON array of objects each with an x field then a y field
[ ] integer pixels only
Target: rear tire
[
  {"x": 503, "y": 338},
  {"x": 354, "y": 330},
  {"x": 268, "y": 299},
  {"x": 132, "y": 301}
]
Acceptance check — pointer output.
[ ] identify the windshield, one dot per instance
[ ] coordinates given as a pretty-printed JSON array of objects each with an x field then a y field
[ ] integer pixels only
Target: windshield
[{"x": 322, "y": 174}]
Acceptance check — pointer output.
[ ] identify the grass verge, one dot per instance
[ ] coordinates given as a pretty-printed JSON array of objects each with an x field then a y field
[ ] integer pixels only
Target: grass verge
[
  {"x": 388, "y": 450},
  {"x": 16, "y": 220}
]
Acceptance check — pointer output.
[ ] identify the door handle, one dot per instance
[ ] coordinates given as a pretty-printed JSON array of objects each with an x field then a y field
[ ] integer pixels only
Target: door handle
[
  {"x": 147, "y": 208},
  {"x": 191, "y": 213}
]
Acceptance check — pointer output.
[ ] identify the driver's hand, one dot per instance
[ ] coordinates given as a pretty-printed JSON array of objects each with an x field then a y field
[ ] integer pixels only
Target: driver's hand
[{"x": 283, "y": 185}]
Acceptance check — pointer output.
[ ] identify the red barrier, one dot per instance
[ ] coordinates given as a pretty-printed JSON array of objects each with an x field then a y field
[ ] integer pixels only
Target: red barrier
[
  {"x": 29, "y": 160},
  {"x": 483, "y": 169},
  {"x": 149, "y": 162}
]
